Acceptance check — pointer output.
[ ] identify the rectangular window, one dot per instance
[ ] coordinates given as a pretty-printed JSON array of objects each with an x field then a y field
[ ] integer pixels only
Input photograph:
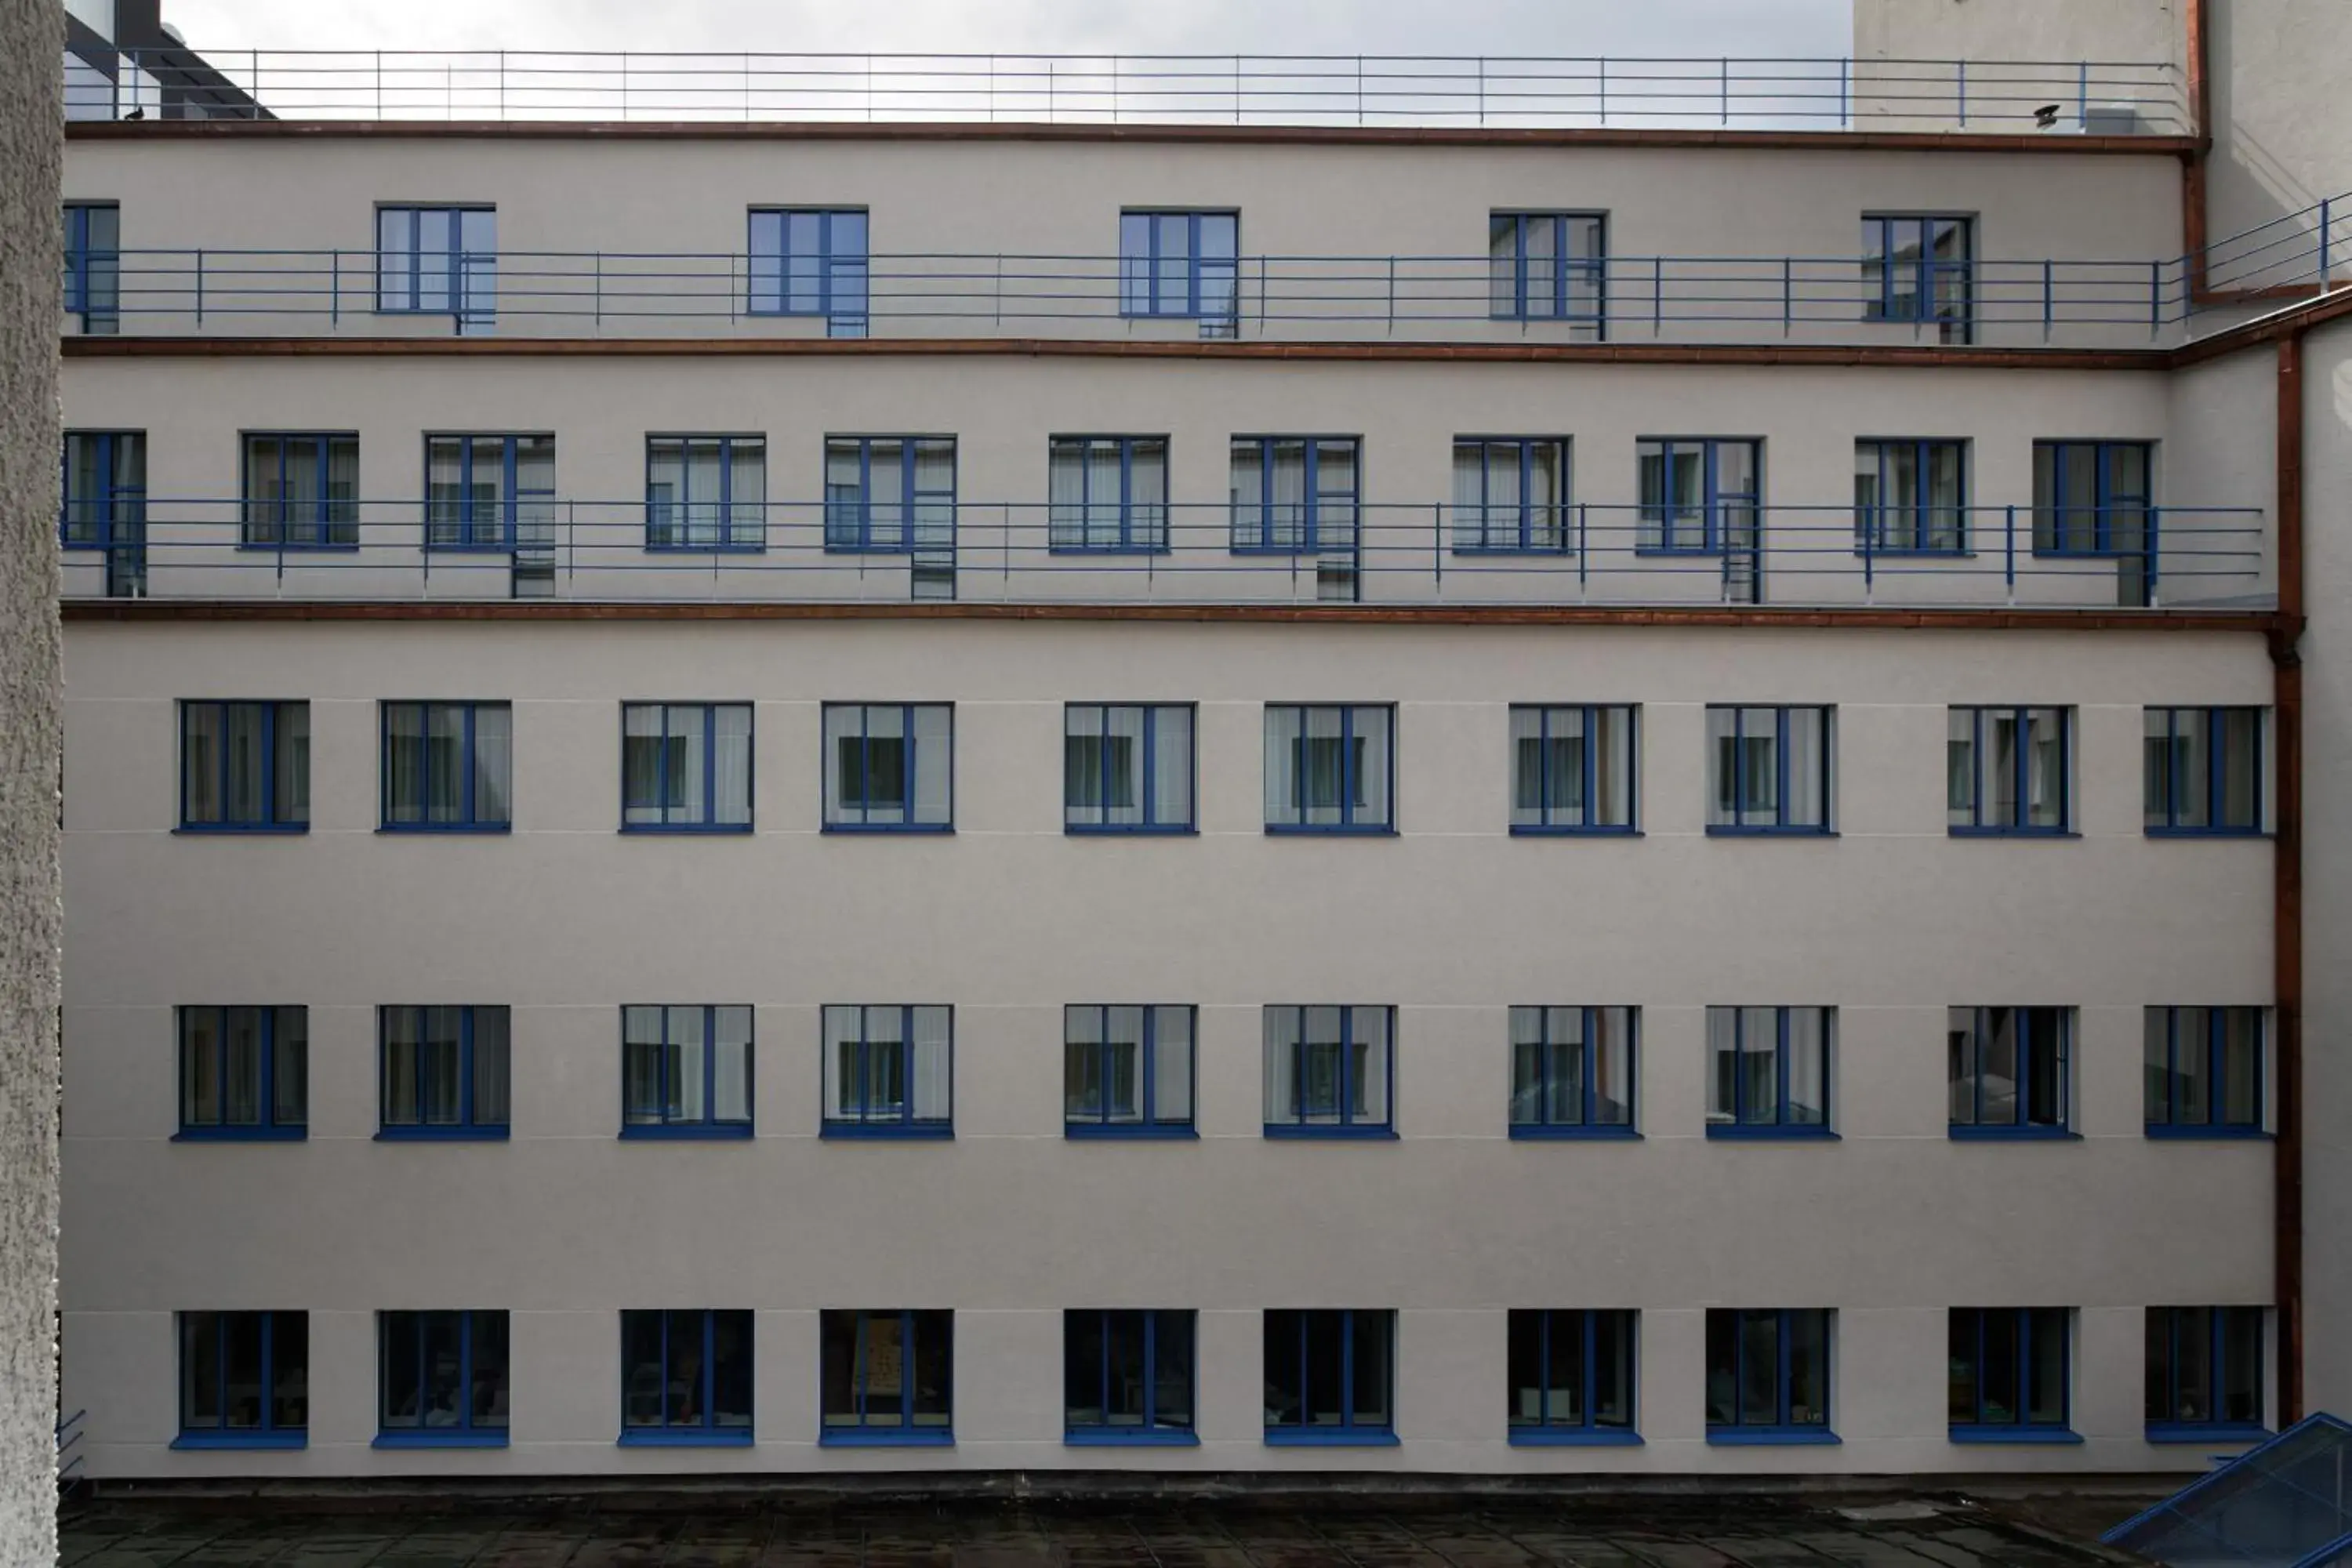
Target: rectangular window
[
  {"x": 706, "y": 492},
  {"x": 1127, "y": 1072},
  {"x": 2008, "y": 1380},
  {"x": 1572, "y": 769},
  {"x": 490, "y": 492},
  {"x": 1769, "y": 1071},
  {"x": 93, "y": 253},
  {"x": 1295, "y": 495},
  {"x": 2006, "y": 770},
  {"x": 811, "y": 261},
  {"x": 1328, "y": 1072},
  {"x": 1510, "y": 496},
  {"x": 1768, "y": 1375},
  {"x": 686, "y": 1073},
  {"x": 301, "y": 490},
  {"x": 441, "y": 1380},
  {"x": 244, "y": 766},
  {"x": 686, "y": 1377},
  {"x": 1572, "y": 1377},
  {"x": 245, "y": 1072},
  {"x": 890, "y": 1072},
  {"x": 686, "y": 765},
  {"x": 890, "y": 767},
  {"x": 244, "y": 1380},
  {"x": 1180, "y": 264},
  {"x": 1699, "y": 495},
  {"x": 2204, "y": 1373},
  {"x": 1770, "y": 769},
  {"x": 438, "y": 261},
  {"x": 448, "y": 766},
  {"x": 446, "y": 1072},
  {"x": 105, "y": 496},
  {"x": 1108, "y": 494},
  {"x": 1330, "y": 769},
  {"x": 889, "y": 1377},
  {"x": 1126, "y": 767},
  {"x": 1572, "y": 1072},
  {"x": 2010, "y": 1071},
  {"x": 1127, "y": 1377},
  {"x": 2204, "y": 1072},
  {"x": 1918, "y": 269},
  {"x": 2092, "y": 498},
  {"x": 889, "y": 495},
  {"x": 1910, "y": 497},
  {"x": 2203, "y": 770},
  {"x": 1548, "y": 267},
  {"x": 1330, "y": 1377}
]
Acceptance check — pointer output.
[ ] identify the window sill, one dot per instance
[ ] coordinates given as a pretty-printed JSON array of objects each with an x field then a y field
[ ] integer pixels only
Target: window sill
[
  {"x": 1543, "y": 551},
  {"x": 262, "y": 547},
  {"x": 885, "y": 1438},
  {"x": 441, "y": 1135},
  {"x": 2171, "y": 1133},
  {"x": 241, "y": 1135},
  {"x": 442, "y": 1437},
  {"x": 866, "y": 827},
  {"x": 687, "y": 1131},
  {"x": 1344, "y": 1134},
  {"x": 1771, "y": 1438},
  {"x": 1130, "y": 1131},
  {"x": 492, "y": 547},
  {"x": 2207, "y": 1432},
  {"x": 187, "y": 1440},
  {"x": 1129, "y": 1438},
  {"x": 1656, "y": 551},
  {"x": 2205, "y": 833},
  {"x": 1351, "y": 830},
  {"x": 862, "y": 1131},
  {"x": 1302, "y": 552},
  {"x": 1541, "y": 1133},
  {"x": 686, "y": 1437},
  {"x": 1738, "y": 831},
  {"x": 2038, "y": 553},
  {"x": 653, "y": 549},
  {"x": 1911, "y": 553},
  {"x": 1575, "y": 1438},
  {"x": 1961, "y": 1134},
  {"x": 459, "y": 829},
  {"x": 242, "y": 829},
  {"x": 2012, "y": 833},
  {"x": 1140, "y": 831},
  {"x": 1109, "y": 549},
  {"x": 1330, "y": 1437},
  {"x": 685, "y": 829},
  {"x": 2014, "y": 1435},
  {"x": 1543, "y": 830},
  {"x": 1736, "y": 1133},
  {"x": 832, "y": 548}
]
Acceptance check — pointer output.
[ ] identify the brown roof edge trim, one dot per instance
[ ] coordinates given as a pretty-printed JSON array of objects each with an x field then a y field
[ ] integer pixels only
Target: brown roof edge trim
[{"x": 2330, "y": 307}]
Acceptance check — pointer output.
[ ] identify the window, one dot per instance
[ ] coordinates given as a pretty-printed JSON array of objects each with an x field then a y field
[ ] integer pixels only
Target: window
[
  {"x": 1699, "y": 495},
  {"x": 705, "y": 492},
  {"x": 105, "y": 498},
  {"x": 686, "y": 1377},
  {"x": 1572, "y": 769},
  {"x": 301, "y": 491},
  {"x": 490, "y": 492},
  {"x": 2009, "y": 1070},
  {"x": 1917, "y": 270},
  {"x": 1769, "y": 1071},
  {"x": 93, "y": 253},
  {"x": 1126, "y": 767},
  {"x": 1127, "y": 1377},
  {"x": 1572, "y": 1377},
  {"x": 2006, "y": 770},
  {"x": 244, "y": 766},
  {"x": 440, "y": 260},
  {"x": 2009, "y": 1374},
  {"x": 447, "y": 766},
  {"x": 1108, "y": 494},
  {"x": 1771, "y": 769},
  {"x": 2204, "y": 1373},
  {"x": 686, "y": 1073},
  {"x": 244, "y": 1380},
  {"x": 890, "y": 767},
  {"x": 446, "y": 1072},
  {"x": 245, "y": 1072},
  {"x": 1910, "y": 497},
  {"x": 890, "y": 1072},
  {"x": 686, "y": 765},
  {"x": 1181, "y": 263},
  {"x": 1510, "y": 496},
  {"x": 1328, "y": 1072},
  {"x": 1548, "y": 267},
  {"x": 2092, "y": 498},
  {"x": 1768, "y": 1375},
  {"x": 1330, "y": 769},
  {"x": 2204, "y": 1072},
  {"x": 1330, "y": 1377},
  {"x": 1572, "y": 1072},
  {"x": 441, "y": 1380},
  {"x": 2203, "y": 770},
  {"x": 1295, "y": 495},
  {"x": 889, "y": 495},
  {"x": 1127, "y": 1072},
  {"x": 889, "y": 1377},
  {"x": 811, "y": 261}
]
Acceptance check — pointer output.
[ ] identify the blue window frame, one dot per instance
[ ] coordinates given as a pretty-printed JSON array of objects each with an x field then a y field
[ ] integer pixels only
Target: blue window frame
[
  {"x": 1918, "y": 267},
  {"x": 1296, "y": 495},
  {"x": 301, "y": 490},
  {"x": 244, "y": 1380},
  {"x": 1330, "y": 768},
  {"x": 1510, "y": 495},
  {"x": 890, "y": 767},
  {"x": 493, "y": 493},
  {"x": 685, "y": 767},
  {"x": 2204, "y": 1072},
  {"x": 706, "y": 492},
  {"x": 1330, "y": 1377},
  {"x": 1772, "y": 770},
  {"x": 1126, "y": 767},
  {"x": 1107, "y": 495},
  {"x": 2204, "y": 1373},
  {"x": 1183, "y": 265},
  {"x": 104, "y": 499},
  {"x": 889, "y": 495},
  {"x": 2202, "y": 771},
  {"x": 1329, "y": 1073},
  {"x": 1127, "y": 1072},
  {"x": 1910, "y": 497},
  {"x": 1548, "y": 267},
  {"x": 438, "y": 261},
  {"x": 93, "y": 259},
  {"x": 244, "y": 767},
  {"x": 2010, "y": 1071},
  {"x": 448, "y": 767},
  {"x": 2092, "y": 497},
  {"x": 446, "y": 1073},
  {"x": 889, "y": 1378},
  {"x": 686, "y": 1073},
  {"x": 245, "y": 1072},
  {"x": 1769, "y": 1071},
  {"x": 1572, "y": 1072},
  {"x": 2010, "y": 1374},
  {"x": 1127, "y": 1377},
  {"x": 1699, "y": 495},
  {"x": 1572, "y": 768},
  {"x": 2007, "y": 771},
  {"x": 1768, "y": 1375},
  {"x": 441, "y": 1380},
  {"x": 889, "y": 1071},
  {"x": 1572, "y": 1377},
  {"x": 686, "y": 1377},
  {"x": 811, "y": 261}
]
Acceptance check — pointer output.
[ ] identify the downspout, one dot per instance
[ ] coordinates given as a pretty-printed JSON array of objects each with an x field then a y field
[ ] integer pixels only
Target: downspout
[
  {"x": 2287, "y": 886},
  {"x": 2192, "y": 162}
]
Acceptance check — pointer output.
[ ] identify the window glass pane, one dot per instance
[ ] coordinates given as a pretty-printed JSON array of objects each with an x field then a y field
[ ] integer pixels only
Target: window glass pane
[
  {"x": 290, "y": 1380},
  {"x": 641, "y": 1097},
  {"x": 1808, "y": 740},
  {"x": 1722, "y": 1367},
  {"x": 2242, "y": 1066},
  {"x": 1723, "y": 1064},
  {"x": 442, "y": 1053},
  {"x": 2241, "y": 743},
  {"x": 933, "y": 764},
  {"x": 2001, "y": 1370},
  {"x": 731, "y": 763},
  {"x": 2192, "y": 1363},
  {"x": 1962, "y": 1068},
  {"x": 2192, "y": 763},
  {"x": 490, "y": 1067},
  {"x": 1612, "y": 1055},
  {"x": 1809, "y": 1368},
  {"x": 842, "y": 1057},
  {"x": 290, "y": 1042},
  {"x": 1613, "y": 1369},
  {"x": 247, "y": 765},
  {"x": 2000, "y": 1066},
  {"x": 1723, "y": 765},
  {"x": 932, "y": 1069},
  {"x": 1082, "y": 1087},
  {"x": 402, "y": 1065},
  {"x": 1759, "y": 1065},
  {"x": 643, "y": 1389},
  {"x": 934, "y": 1380},
  {"x": 241, "y": 1066},
  {"x": 1760, "y": 1364},
  {"x": 2241, "y": 1391},
  {"x": 493, "y": 762},
  {"x": 2155, "y": 1064},
  {"x": 244, "y": 1400},
  {"x": 644, "y": 777},
  {"x": 1960, "y": 1364},
  {"x": 731, "y": 1064},
  {"x": 292, "y": 762},
  {"x": 731, "y": 1369},
  {"x": 1370, "y": 757},
  {"x": 1808, "y": 1066},
  {"x": 1283, "y": 1043},
  {"x": 401, "y": 1373},
  {"x": 1122, "y": 1057},
  {"x": 2046, "y": 1067},
  {"x": 1563, "y": 1066},
  {"x": 1172, "y": 1064},
  {"x": 200, "y": 1066},
  {"x": 1171, "y": 766},
  {"x": 202, "y": 744},
  {"x": 486, "y": 1401},
  {"x": 1285, "y": 744},
  {"x": 1367, "y": 1397},
  {"x": 2046, "y": 768},
  {"x": 1121, "y": 766},
  {"x": 687, "y": 1065},
  {"x": 2045, "y": 1389},
  {"x": 1369, "y": 1065},
  {"x": 1564, "y": 1392},
  {"x": 2192, "y": 1068}
]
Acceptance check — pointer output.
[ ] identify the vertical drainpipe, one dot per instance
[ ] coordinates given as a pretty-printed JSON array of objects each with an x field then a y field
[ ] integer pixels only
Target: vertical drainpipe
[
  {"x": 2286, "y": 885},
  {"x": 2192, "y": 162}
]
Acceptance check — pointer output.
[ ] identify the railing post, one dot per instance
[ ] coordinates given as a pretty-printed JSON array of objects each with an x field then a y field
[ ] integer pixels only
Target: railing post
[
  {"x": 200, "y": 286},
  {"x": 502, "y": 86},
  {"x": 2155, "y": 298},
  {"x": 379, "y": 84},
  {"x": 1583, "y": 550},
  {"x": 1392, "y": 294},
  {"x": 1844, "y": 69},
  {"x": 1114, "y": 89},
  {"x": 334, "y": 287},
  {"x": 597, "y": 295},
  {"x": 1788, "y": 294},
  {"x": 1869, "y": 559},
  {"x": 1605, "y": 89},
  {"x": 2150, "y": 566},
  {"x": 1437, "y": 544},
  {"x": 1360, "y": 89},
  {"x": 1237, "y": 89},
  {"x": 2324, "y": 222},
  {"x": 1657, "y": 295},
  {"x": 2049, "y": 300},
  {"x": 1963, "y": 66},
  {"x": 1482, "y": 89},
  {"x": 2009, "y": 553},
  {"x": 2082, "y": 96},
  {"x": 1726, "y": 89}
]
